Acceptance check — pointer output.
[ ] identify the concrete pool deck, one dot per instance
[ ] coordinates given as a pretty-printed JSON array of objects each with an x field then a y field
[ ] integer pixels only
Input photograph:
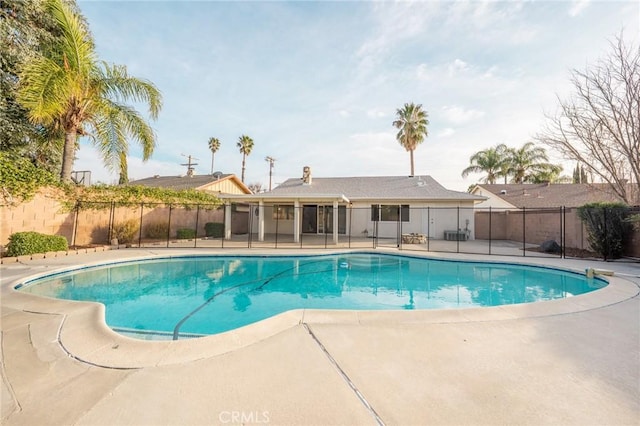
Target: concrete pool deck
[{"x": 570, "y": 361}]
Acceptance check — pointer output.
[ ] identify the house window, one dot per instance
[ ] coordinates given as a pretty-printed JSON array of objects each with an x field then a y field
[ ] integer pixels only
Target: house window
[
  {"x": 283, "y": 212},
  {"x": 375, "y": 212},
  {"x": 390, "y": 212}
]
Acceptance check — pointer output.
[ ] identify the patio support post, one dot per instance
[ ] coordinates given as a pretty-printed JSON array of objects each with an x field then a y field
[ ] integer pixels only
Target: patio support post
[
  {"x": 428, "y": 226},
  {"x": 261, "y": 220},
  {"x": 335, "y": 222},
  {"x": 296, "y": 221},
  {"x": 458, "y": 234},
  {"x": 227, "y": 220}
]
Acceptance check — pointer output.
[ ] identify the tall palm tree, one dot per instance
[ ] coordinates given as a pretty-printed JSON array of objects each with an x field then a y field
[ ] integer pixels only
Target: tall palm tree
[
  {"x": 492, "y": 161},
  {"x": 245, "y": 144},
  {"x": 214, "y": 146},
  {"x": 70, "y": 89},
  {"x": 412, "y": 123},
  {"x": 527, "y": 161}
]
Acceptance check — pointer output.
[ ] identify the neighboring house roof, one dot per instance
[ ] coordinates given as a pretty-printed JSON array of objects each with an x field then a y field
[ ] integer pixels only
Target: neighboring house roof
[
  {"x": 543, "y": 195},
  {"x": 213, "y": 183},
  {"x": 415, "y": 188}
]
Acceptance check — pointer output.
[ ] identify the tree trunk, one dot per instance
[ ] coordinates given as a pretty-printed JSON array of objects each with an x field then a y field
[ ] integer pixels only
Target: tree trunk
[
  {"x": 68, "y": 154},
  {"x": 411, "y": 156},
  {"x": 243, "y": 158}
]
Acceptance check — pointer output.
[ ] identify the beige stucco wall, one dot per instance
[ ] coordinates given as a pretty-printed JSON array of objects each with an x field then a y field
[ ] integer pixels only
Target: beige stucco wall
[{"x": 44, "y": 214}]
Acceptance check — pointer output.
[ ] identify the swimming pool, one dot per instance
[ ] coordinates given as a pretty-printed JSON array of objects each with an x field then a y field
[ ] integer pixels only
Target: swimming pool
[{"x": 192, "y": 296}]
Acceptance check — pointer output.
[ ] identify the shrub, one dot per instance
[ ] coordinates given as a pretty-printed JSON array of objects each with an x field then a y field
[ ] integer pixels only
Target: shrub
[
  {"x": 126, "y": 232},
  {"x": 22, "y": 243},
  {"x": 156, "y": 230},
  {"x": 186, "y": 233},
  {"x": 214, "y": 229},
  {"x": 606, "y": 226}
]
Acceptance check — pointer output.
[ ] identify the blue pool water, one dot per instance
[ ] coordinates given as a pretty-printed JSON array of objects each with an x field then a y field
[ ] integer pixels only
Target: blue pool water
[{"x": 208, "y": 295}]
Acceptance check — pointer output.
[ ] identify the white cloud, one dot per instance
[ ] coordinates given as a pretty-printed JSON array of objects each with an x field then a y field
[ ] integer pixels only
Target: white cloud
[
  {"x": 376, "y": 113},
  {"x": 446, "y": 132},
  {"x": 423, "y": 72},
  {"x": 459, "y": 115},
  {"x": 457, "y": 66},
  {"x": 394, "y": 23},
  {"x": 577, "y": 6},
  {"x": 344, "y": 113}
]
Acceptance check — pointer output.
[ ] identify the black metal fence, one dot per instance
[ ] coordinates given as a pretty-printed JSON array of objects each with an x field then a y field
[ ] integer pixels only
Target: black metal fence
[{"x": 556, "y": 232}]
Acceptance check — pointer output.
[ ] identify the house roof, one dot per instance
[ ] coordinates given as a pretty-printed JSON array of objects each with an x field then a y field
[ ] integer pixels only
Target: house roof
[
  {"x": 188, "y": 182},
  {"x": 543, "y": 195},
  {"x": 416, "y": 188}
]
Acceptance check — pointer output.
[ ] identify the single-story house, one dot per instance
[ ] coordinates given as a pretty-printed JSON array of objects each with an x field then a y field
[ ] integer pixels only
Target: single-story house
[
  {"x": 217, "y": 183},
  {"x": 543, "y": 195},
  {"x": 355, "y": 205}
]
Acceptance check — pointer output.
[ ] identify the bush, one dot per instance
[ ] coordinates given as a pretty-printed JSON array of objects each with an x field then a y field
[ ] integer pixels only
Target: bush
[
  {"x": 214, "y": 229},
  {"x": 22, "y": 243},
  {"x": 606, "y": 226},
  {"x": 157, "y": 230},
  {"x": 186, "y": 233},
  {"x": 126, "y": 232}
]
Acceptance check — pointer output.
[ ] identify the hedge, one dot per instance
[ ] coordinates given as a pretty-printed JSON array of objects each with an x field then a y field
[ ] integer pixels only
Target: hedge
[
  {"x": 22, "y": 243},
  {"x": 606, "y": 226},
  {"x": 214, "y": 229},
  {"x": 186, "y": 234}
]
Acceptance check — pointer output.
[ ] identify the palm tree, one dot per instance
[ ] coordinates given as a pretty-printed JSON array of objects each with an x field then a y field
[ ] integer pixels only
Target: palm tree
[
  {"x": 412, "y": 122},
  {"x": 68, "y": 88},
  {"x": 527, "y": 161},
  {"x": 214, "y": 146},
  {"x": 492, "y": 161},
  {"x": 549, "y": 174},
  {"x": 245, "y": 144}
]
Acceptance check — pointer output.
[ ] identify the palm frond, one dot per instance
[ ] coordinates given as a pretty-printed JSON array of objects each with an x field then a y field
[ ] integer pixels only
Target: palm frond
[
  {"x": 76, "y": 50},
  {"x": 120, "y": 86}
]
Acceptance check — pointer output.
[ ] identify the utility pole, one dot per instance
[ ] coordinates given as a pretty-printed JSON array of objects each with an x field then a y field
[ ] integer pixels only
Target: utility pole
[
  {"x": 271, "y": 160},
  {"x": 189, "y": 164}
]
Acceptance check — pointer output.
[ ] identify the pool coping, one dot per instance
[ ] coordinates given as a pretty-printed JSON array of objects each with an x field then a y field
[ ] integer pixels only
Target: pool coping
[{"x": 84, "y": 335}]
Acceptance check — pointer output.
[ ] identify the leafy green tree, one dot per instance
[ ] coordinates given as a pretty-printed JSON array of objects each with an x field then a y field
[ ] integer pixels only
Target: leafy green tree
[
  {"x": 491, "y": 161},
  {"x": 245, "y": 144},
  {"x": 25, "y": 30},
  {"x": 528, "y": 161},
  {"x": 214, "y": 146},
  {"x": 412, "y": 122},
  {"x": 68, "y": 88}
]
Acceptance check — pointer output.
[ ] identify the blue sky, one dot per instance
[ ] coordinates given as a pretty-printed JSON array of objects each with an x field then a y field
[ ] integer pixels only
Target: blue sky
[{"x": 318, "y": 83}]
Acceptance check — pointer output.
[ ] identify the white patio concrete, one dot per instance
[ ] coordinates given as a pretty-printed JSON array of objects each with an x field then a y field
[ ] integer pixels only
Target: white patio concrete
[{"x": 572, "y": 361}]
